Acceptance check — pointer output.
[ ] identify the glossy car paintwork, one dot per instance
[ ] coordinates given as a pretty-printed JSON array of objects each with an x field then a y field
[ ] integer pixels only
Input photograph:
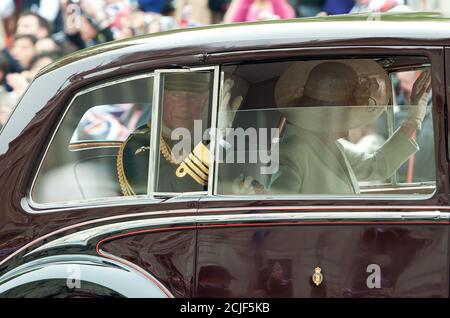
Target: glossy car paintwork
[
  {"x": 76, "y": 276},
  {"x": 26, "y": 227},
  {"x": 168, "y": 256},
  {"x": 412, "y": 260}
]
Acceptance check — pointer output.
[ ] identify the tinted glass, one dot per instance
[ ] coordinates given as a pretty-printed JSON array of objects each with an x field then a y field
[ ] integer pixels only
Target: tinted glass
[
  {"x": 184, "y": 138},
  {"x": 327, "y": 127},
  {"x": 92, "y": 153}
]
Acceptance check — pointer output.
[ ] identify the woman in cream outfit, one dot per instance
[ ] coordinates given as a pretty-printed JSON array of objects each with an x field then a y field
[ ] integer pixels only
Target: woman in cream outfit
[{"x": 338, "y": 96}]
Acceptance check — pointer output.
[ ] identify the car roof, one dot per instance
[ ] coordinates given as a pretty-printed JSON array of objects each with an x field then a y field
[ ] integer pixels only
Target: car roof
[{"x": 412, "y": 28}]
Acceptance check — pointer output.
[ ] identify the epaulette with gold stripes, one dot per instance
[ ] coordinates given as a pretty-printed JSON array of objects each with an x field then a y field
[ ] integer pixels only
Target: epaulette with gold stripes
[{"x": 196, "y": 164}]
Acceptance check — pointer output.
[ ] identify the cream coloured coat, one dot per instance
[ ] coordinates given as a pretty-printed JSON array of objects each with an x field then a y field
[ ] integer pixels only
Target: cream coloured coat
[{"x": 308, "y": 166}]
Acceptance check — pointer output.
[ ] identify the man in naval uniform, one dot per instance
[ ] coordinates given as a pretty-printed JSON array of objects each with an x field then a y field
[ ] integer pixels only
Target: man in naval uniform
[
  {"x": 186, "y": 97},
  {"x": 314, "y": 156}
]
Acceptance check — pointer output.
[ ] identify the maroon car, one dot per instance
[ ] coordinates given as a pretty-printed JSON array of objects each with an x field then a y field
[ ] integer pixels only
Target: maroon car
[{"x": 297, "y": 158}]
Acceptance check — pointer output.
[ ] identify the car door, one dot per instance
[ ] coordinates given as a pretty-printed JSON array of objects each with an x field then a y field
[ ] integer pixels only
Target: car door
[
  {"x": 166, "y": 247},
  {"x": 389, "y": 239},
  {"x": 107, "y": 222}
]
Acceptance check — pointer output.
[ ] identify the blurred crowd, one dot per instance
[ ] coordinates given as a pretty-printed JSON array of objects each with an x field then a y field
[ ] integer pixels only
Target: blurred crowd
[{"x": 34, "y": 33}]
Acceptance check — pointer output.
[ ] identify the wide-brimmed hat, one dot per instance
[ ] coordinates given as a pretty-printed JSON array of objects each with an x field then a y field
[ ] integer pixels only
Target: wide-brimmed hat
[
  {"x": 333, "y": 95},
  {"x": 195, "y": 82}
]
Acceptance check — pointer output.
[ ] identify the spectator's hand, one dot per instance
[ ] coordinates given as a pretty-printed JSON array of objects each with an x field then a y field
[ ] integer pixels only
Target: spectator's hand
[
  {"x": 92, "y": 7},
  {"x": 419, "y": 101},
  {"x": 72, "y": 17},
  {"x": 96, "y": 10},
  {"x": 18, "y": 82}
]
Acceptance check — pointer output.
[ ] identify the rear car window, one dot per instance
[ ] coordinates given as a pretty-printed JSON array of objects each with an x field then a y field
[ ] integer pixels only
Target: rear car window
[{"x": 328, "y": 127}]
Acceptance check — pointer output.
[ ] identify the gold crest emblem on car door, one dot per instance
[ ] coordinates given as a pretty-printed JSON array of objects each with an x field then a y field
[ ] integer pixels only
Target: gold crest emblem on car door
[{"x": 317, "y": 277}]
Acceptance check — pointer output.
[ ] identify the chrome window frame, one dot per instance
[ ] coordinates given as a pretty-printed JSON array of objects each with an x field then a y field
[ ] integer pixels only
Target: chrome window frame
[
  {"x": 156, "y": 120},
  {"x": 33, "y": 207},
  {"x": 36, "y": 207},
  {"x": 30, "y": 206},
  {"x": 305, "y": 197}
]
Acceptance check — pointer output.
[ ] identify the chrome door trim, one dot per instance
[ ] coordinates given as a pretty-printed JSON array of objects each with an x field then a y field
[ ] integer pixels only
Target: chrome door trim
[{"x": 84, "y": 237}]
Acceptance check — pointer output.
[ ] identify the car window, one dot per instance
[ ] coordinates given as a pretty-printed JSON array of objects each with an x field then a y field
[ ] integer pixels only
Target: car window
[
  {"x": 85, "y": 157},
  {"x": 420, "y": 167},
  {"x": 327, "y": 127},
  {"x": 103, "y": 147},
  {"x": 183, "y": 159}
]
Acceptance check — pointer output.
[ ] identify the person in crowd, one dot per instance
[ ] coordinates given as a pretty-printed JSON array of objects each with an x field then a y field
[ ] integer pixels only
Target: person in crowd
[
  {"x": 23, "y": 49},
  {"x": 4, "y": 70},
  {"x": 120, "y": 14},
  {"x": 131, "y": 25},
  {"x": 31, "y": 23},
  {"x": 34, "y": 24},
  {"x": 18, "y": 82},
  {"x": 39, "y": 61},
  {"x": 2, "y": 35},
  {"x": 218, "y": 9},
  {"x": 377, "y": 6},
  {"x": 30, "y": 42},
  {"x": 47, "y": 45},
  {"x": 167, "y": 19},
  {"x": 309, "y": 8},
  {"x": 7, "y": 99},
  {"x": 91, "y": 32},
  {"x": 256, "y": 10},
  {"x": 87, "y": 26},
  {"x": 8, "y": 65},
  {"x": 151, "y": 5},
  {"x": 48, "y": 9},
  {"x": 6, "y": 8},
  {"x": 332, "y": 7}
]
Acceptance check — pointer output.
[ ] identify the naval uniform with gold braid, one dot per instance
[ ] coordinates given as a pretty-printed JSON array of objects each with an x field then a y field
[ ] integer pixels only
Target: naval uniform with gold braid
[{"x": 132, "y": 167}]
